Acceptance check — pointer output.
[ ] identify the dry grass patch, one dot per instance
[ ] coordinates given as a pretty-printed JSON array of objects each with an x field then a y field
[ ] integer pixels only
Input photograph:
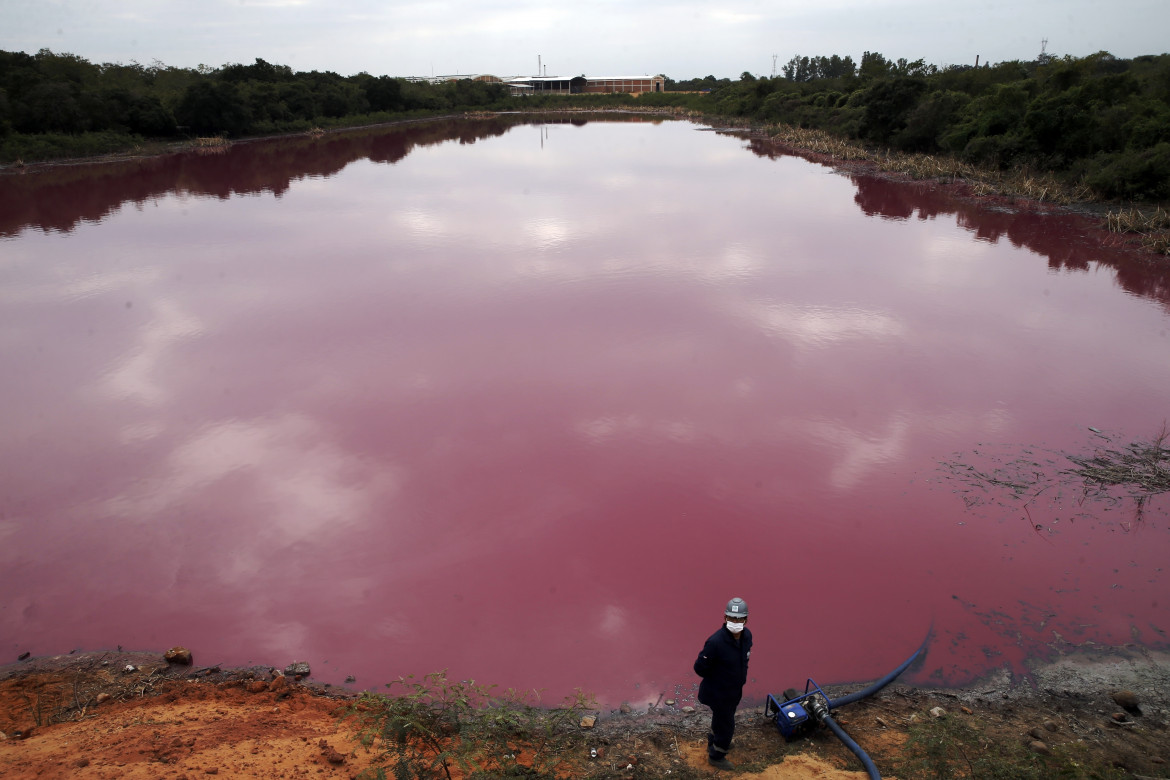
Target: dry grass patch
[
  {"x": 1042, "y": 188},
  {"x": 818, "y": 142},
  {"x": 1153, "y": 227}
]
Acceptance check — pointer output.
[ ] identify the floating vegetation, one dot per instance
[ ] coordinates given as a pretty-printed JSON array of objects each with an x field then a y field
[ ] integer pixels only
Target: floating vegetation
[
  {"x": 1039, "y": 488},
  {"x": 1144, "y": 466}
]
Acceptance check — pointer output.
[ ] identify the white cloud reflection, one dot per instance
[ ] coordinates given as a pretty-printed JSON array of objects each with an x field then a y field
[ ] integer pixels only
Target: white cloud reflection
[
  {"x": 136, "y": 375},
  {"x": 860, "y": 453},
  {"x": 613, "y": 622},
  {"x": 813, "y": 326},
  {"x": 295, "y": 481}
]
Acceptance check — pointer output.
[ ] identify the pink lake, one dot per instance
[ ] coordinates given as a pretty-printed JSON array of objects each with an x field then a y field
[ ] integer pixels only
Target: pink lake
[{"x": 530, "y": 400}]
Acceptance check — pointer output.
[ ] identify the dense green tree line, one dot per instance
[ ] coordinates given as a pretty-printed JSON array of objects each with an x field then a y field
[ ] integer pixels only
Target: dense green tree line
[
  {"x": 1100, "y": 120},
  {"x": 65, "y": 95}
]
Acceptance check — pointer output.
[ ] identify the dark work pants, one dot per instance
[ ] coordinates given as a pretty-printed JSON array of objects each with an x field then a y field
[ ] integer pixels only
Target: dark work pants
[{"x": 722, "y": 729}]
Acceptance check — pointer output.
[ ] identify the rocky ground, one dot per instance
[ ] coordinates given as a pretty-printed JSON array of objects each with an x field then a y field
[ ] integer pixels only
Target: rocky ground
[{"x": 1100, "y": 713}]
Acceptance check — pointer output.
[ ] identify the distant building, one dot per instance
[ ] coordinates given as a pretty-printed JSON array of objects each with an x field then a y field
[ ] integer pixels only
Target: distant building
[
  {"x": 632, "y": 84},
  {"x": 574, "y": 85},
  {"x": 550, "y": 85},
  {"x": 562, "y": 85}
]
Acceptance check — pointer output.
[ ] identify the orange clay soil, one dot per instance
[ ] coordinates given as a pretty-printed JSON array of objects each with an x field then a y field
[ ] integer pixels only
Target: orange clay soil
[{"x": 86, "y": 716}]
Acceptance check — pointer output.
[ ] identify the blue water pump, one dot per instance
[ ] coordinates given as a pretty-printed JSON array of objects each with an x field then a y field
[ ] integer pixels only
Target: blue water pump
[{"x": 798, "y": 713}]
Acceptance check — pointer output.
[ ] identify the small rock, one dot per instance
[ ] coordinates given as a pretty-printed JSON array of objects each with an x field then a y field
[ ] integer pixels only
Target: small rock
[
  {"x": 81, "y": 763},
  {"x": 882, "y": 723},
  {"x": 669, "y": 702},
  {"x": 688, "y": 709},
  {"x": 129, "y": 668},
  {"x": 1127, "y": 700},
  {"x": 257, "y": 686},
  {"x": 297, "y": 669},
  {"x": 601, "y": 752},
  {"x": 625, "y": 709},
  {"x": 1037, "y": 746},
  {"x": 588, "y": 722},
  {"x": 23, "y": 656},
  {"x": 938, "y": 712},
  {"x": 1120, "y": 717},
  {"x": 330, "y": 754},
  {"x": 279, "y": 683},
  {"x": 1051, "y": 726},
  {"x": 631, "y": 760},
  {"x": 350, "y": 678},
  {"x": 178, "y": 655},
  {"x": 103, "y": 697},
  {"x": 211, "y": 770},
  {"x": 1037, "y": 733},
  {"x": 1157, "y": 760},
  {"x": 3, "y": 736}
]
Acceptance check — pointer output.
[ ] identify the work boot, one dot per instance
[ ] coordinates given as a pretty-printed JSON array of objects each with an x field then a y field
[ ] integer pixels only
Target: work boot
[{"x": 720, "y": 763}]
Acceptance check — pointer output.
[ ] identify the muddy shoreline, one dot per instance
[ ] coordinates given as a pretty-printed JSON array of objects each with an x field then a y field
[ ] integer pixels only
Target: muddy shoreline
[{"x": 134, "y": 715}]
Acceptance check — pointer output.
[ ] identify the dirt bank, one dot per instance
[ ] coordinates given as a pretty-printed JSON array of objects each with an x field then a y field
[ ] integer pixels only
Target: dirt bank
[{"x": 132, "y": 715}]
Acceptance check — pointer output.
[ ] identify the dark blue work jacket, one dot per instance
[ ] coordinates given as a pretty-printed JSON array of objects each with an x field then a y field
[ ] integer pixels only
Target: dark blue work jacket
[{"x": 723, "y": 665}]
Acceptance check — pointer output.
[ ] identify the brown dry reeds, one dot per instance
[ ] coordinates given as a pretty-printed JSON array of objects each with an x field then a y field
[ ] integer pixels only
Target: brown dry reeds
[
  {"x": 1153, "y": 227},
  {"x": 1039, "y": 187},
  {"x": 212, "y": 145},
  {"x": 1137, "y": 221},
  {"x": 818, "y": 142}
]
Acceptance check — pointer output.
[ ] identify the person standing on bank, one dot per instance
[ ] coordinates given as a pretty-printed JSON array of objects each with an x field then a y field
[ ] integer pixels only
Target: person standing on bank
[{"x": 723, "y": 666}]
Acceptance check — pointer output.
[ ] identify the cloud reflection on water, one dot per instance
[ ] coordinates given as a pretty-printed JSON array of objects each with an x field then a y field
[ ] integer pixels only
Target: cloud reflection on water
[{"x": 526, "y": 385}]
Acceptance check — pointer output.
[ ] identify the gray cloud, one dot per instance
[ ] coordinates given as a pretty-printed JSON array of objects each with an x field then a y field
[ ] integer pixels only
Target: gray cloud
[{"x": 680, "y": 39}]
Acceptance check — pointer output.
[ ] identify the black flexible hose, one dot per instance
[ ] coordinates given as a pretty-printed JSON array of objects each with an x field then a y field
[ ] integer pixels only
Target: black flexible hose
[
  {"x": 866, "y": 761},
  {"x": 877, "y": 686}
]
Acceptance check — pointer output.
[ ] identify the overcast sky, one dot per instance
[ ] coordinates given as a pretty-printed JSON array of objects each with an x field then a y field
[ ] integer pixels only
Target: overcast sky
[{"x": 595, "y": 37}]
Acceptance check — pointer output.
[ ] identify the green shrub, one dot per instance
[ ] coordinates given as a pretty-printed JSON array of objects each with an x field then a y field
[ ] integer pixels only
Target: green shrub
[
  {"x": 33, "y": 147},
  {"x": 1133, "y": 175}
]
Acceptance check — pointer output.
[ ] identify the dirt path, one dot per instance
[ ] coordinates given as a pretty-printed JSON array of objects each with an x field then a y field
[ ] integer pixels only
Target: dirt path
[{"x": 87, "y": 716}]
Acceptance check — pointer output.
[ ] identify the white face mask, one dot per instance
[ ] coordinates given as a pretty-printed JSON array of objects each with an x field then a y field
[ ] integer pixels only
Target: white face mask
[{"x": 734, "y": 628}]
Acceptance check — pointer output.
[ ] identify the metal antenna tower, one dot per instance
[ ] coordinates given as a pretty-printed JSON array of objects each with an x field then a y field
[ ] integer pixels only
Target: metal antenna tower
[{"x": 774, "y": 56}]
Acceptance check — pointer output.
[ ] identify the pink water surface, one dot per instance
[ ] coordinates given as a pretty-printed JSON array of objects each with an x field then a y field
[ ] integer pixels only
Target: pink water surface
[{"x": 529, "y": 401}]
